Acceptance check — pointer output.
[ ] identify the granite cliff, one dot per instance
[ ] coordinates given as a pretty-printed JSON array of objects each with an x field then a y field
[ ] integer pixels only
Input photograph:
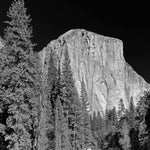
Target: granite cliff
[{"x": 100, "y": 62}]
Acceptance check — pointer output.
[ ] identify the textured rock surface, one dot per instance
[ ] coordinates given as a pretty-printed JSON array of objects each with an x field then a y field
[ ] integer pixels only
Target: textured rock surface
[{"x": 100, "y": 62}]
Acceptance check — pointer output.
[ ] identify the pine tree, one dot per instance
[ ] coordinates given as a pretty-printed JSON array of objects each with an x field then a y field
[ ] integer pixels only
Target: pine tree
[
  {"x": 100, "y": 134},
  {"x": 70, "y": 99},
  {"x": 92, "y": 122},
  {"x": 125, "y": 139},
  {"x": 3, "y": 116},
  {"x": 3, "y": 107},
  {"x": 108, "y": 132},
  {"x": 20, "y": 79},
  {"x": 49, "y": 96},
  {"x": 45, "y": 127},
  {"x": 131, "y": 114},
  {"x": 78, "y": 124},
  {"x": 121, "y": 108},
  {"x": 58, "y": 97},
  {"x": 108, "y": 120},
  {"x": 53, "y": 81},
  {"x": 114, "y": 116},
  {"x": 87, "y": 135},
  {"x": 61, "y": 128},
  {"x": 133, "y": 125},
  {"x": 143, "y": 111},
  {"x": 58, "y": 121}
]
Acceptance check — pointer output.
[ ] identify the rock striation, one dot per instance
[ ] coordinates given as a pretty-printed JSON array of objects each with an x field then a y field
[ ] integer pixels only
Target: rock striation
[{"x": 99, "y": 61}]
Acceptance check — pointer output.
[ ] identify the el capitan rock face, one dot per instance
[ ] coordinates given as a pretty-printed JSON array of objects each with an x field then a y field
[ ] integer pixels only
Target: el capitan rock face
[{"x": 100, "y": 62}]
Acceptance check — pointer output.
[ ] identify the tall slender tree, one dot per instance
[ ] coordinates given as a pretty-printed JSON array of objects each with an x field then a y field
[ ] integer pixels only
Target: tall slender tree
[
  {"x": 70, "y": 98},
  {"x": 133, "y": 125},
  {"x": 125, "y": 139},
  {"x": 58, "y": 123},
  {"x": 131, "y": 114},
  {"x": 49, "y": 96},
  {"x": 20, "y": 79},
  {"x": 87, "y": 134},
  {"x": 121, "y": 108},
  {"x": 61, "y": 128},
  {"x": 58, "y": 97}
]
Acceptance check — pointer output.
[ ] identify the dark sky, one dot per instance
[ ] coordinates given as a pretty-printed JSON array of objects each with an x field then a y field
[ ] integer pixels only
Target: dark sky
[{"x": 124, "y": 20}]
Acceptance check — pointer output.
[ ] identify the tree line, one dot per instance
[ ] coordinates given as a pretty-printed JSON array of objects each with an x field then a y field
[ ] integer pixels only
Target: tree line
[{"x": 37, "y": 114}]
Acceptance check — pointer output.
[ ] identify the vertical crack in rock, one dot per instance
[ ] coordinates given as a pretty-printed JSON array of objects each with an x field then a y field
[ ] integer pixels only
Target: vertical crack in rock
[{"x": 100, "y": 62}]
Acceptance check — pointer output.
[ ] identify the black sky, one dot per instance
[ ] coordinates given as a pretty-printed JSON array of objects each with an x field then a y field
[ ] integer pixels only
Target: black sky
[{"x": 124, "y": 20}]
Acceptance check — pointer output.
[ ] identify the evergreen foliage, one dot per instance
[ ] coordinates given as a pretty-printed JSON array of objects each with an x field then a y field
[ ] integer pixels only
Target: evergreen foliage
[
  {"x": 70, "y": 100},
  {"x": 133, "y": 125},
  {"x": 143, "y": 111},
  {"x": 125, "y": 139},
  {"x": 131, "y": 114},
  {"x": 20, "y": 79},
  {"x": 62, "y": 131},
  {"x": 86, "y": 125},
  {"x": 61, "y": 128},
  {"x": 121, "y": 108},
  {"x": 52, "y": 90}
]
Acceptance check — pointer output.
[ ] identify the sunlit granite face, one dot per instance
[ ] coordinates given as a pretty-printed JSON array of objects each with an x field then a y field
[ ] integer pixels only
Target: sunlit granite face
[{"x": 100, "y": 62}]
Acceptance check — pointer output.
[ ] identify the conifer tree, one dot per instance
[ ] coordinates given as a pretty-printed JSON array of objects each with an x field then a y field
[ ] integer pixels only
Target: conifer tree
[
  {"x": 93, "y": 122},
  {"x": 78, "y": 125},
  {"x": 143, "y": 111},
  {"x": 87, "y": 135},
  {"x": 61, "y": 128},
  {"x": 58, "y": 121},
  {"x": 125, "y": 139},
  {"x": 131, "y": 114},
  {"x": 100, "y": 134},
  {"x": 3, "y": 116},
  {"x": 133, "y": 125},
  {"x": 70, "y": 98},
  {"x": 121, "y": 108},
  {"x": 62, "y": 131},
  {"x": 95, "y": 126},
  {"x": 20, "y": 79},
  {"x": 109, "y": 129},
  {"x": 114, "y": 116},
  {"x": 49, "y": 96},
  {"x": 45, "y": 128},
  {"x": 108, "y": 119},
  {"x": 53, "y": 81}
]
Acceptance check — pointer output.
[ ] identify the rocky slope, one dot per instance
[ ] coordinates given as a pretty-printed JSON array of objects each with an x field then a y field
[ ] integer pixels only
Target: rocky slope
[{"x": 100, "y": 62}]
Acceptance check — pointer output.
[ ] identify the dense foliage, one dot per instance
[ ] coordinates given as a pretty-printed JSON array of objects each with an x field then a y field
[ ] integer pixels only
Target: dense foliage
[
  {"x": 19, "y": 81},
  {"x": 49, "y": 113}
]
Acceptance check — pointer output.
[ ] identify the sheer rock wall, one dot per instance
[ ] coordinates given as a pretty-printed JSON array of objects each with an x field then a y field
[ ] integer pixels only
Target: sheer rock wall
[{"x": 100, "y": 62}]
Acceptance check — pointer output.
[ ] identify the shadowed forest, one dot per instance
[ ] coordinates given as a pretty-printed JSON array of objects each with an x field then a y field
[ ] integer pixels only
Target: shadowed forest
[{"x": 51, "y": 115}]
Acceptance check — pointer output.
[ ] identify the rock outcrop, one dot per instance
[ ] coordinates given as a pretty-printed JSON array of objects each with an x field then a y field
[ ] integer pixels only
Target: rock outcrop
[{"x": 100, "y": 62}]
